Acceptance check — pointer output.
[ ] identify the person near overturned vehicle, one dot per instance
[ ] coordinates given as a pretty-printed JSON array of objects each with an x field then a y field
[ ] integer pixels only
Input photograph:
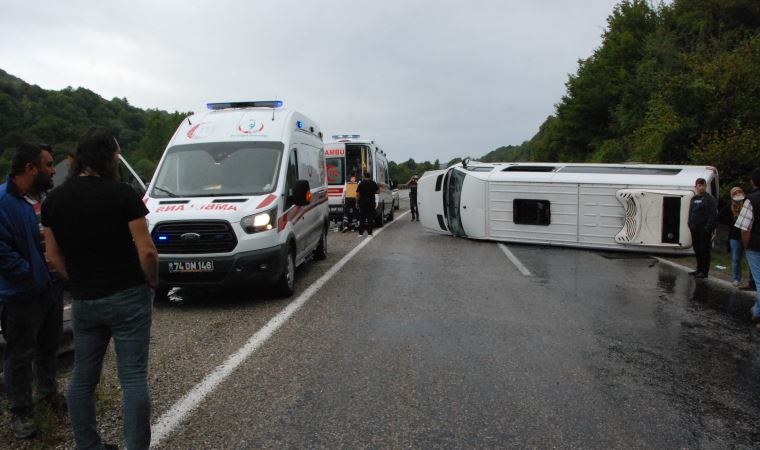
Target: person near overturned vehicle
[
  {"x": 365, "y": 198},
  {"x": 703, "y": 213},
  {"x": 31, "y": 317},
  {"x": 412, "y": 183},
  {"x": 97, "y": 237},
  {"x": 749, "y": 222}
]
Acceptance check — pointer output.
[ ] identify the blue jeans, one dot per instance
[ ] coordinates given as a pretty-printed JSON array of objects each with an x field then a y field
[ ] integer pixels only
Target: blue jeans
[
  {"x": 737, "y": 252},
  {"x": 125, "y": 316},
  {"x": 753, "y": 258}
]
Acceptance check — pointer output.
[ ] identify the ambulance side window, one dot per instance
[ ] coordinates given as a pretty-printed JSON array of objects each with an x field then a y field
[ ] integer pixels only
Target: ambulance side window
[{"x": 292, "y": 177}]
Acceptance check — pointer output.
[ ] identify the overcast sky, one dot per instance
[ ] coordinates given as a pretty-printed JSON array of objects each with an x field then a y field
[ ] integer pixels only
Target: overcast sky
[{"x": 425, "y": 79}]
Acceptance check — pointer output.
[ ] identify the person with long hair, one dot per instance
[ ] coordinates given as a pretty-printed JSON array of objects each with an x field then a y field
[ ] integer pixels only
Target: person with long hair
[{"x": 97, "y": 237}]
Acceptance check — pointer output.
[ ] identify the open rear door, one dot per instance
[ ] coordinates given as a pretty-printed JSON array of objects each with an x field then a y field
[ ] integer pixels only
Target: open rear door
[{"x": 656, "y": 218}]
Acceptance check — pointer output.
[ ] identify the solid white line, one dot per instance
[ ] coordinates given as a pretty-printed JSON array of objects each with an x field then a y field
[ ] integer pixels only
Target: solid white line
[
  {"x": 524, "y": 270},
  {"x": 177, "y": 413}
]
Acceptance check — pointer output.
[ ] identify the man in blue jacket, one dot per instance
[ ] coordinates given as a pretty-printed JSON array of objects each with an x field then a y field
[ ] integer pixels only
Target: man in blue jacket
[{"x": 25, "y": 290}]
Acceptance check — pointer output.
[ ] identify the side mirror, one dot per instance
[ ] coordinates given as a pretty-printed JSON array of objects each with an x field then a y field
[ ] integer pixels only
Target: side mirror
[{"x": 301, "y": 193}]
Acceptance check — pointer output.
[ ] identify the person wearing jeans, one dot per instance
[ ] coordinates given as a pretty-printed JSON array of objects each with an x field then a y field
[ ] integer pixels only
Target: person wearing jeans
[
  {"x": 96, "y": 236},
  {"x": 125, "y": 316},
  {"x": 749, "y": 223},
  {"x": 728, "y": 215}
]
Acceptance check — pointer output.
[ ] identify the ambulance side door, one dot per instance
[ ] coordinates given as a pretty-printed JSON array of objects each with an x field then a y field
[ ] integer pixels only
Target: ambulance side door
[{"x": 296, "y": 213}]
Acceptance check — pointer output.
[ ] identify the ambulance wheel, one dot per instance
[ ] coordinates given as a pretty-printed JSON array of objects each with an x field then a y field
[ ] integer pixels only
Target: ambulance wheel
[
  {"x": 380, "y": 219},
  {"x": 285, "y": 286},
  {"x": 320, "y": 254}
]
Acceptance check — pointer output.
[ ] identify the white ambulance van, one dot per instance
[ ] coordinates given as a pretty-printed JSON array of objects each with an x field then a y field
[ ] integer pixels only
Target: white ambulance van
[
  {"x": 239, "y": 198},
  {"x": 349, "y": 154}
]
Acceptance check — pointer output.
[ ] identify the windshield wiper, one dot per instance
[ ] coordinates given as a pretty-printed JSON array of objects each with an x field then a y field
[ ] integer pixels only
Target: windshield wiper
[{"x": 166, "y": 191}]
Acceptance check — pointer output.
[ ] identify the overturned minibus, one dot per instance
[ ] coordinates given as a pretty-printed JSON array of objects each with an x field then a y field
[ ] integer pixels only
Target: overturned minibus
[{"x": 632, "y": 207}]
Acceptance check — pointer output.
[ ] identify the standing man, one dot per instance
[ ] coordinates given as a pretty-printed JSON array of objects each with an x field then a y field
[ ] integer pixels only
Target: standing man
[
  {"x": 31, "y": 320},
  {"x": 412, "y": 183},
  {"x": 703, "y": 213},
  {"x": 365, "y": 198},
  {"x": 97, "y": 236},
  {"x": 749, "y": 222}
]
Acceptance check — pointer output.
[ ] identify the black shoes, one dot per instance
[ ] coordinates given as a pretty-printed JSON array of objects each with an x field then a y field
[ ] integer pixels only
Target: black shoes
[
  {"x": 23, "y": 426},
  {"x": 693, "y": 272},
  {"x": 700, "y": 275}
]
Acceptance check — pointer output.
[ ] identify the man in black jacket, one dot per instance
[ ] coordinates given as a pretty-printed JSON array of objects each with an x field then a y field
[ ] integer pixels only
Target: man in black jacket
[{"x": 703, "y": 213}]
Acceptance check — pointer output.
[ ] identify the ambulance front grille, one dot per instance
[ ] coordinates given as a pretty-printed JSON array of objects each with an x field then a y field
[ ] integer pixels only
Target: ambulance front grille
[{"x": 198, "y": 237}]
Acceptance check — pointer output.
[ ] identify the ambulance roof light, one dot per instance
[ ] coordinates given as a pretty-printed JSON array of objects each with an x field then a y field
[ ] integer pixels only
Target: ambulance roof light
[
  {"x": 235, "y": 105},
  {"x": 346, "y": 136}
]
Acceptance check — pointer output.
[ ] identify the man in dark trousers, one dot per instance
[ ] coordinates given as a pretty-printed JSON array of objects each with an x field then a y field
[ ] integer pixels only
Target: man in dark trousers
[
  {"x": 412, "y": 183},
  {"x": 703, "y": 213},
  {"x": 97, "y": 237},
  {"x": 31, "y": 321},
  {"x": 365, "y": 198},
  {"x": 749, "y": 222}
]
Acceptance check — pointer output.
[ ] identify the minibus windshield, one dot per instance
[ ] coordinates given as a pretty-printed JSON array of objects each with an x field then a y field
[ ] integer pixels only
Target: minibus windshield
[
  {"x": 452, "y": 201},
  {"x": 218, "y": 169}
]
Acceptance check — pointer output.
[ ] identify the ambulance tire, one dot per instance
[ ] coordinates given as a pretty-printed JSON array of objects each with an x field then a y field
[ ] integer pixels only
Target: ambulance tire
[
  {"x": 285, "y": 286},
  {"x": 320, "y": 254},
  {"x": 161, "y": 295},
  {"x": 380, "y": 218}
]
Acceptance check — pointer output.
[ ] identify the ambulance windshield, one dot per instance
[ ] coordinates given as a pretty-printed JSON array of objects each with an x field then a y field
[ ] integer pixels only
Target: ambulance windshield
[{"x": 218, "y": 169}]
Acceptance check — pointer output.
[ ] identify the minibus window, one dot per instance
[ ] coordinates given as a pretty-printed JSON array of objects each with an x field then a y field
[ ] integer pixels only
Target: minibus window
[{"x": 531, "y": 212}]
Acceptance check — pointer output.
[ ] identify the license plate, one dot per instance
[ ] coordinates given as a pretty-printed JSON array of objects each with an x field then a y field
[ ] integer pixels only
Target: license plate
[{"x": 191, "y": 266}]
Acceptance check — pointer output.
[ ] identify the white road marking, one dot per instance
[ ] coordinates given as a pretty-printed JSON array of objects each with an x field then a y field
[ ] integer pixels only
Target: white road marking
[
  {"x": 524, "y": 270},
  {"x": 180, "y": 410}
]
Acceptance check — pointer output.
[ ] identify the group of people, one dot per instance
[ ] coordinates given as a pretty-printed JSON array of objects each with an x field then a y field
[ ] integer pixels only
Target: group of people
[
  {"x": 91, "y": 234},
  {"x": 742, "y": 215},
  {"x": 359, "y": 203}
]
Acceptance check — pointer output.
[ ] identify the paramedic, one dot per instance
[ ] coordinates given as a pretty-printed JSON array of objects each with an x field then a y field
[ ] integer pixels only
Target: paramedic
[
  {"x": 365, "y": 198},
  {"x": 97, "y": 237},
  {"x": 702, "y": 219},
  {"x": 349, "y": 205}
]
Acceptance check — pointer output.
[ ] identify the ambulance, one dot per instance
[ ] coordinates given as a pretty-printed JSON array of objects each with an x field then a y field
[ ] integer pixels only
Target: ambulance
[
  {"x": 239, "y": 198},
  {"x": 347, "y": 155}
]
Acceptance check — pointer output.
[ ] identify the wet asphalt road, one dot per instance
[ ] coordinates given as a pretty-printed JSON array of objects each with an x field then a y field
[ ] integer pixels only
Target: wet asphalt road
[{"x": 427, "y": 341}]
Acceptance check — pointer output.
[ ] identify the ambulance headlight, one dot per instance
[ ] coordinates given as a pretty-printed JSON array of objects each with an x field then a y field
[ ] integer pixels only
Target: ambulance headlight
[{"x": 259, "y": 222}]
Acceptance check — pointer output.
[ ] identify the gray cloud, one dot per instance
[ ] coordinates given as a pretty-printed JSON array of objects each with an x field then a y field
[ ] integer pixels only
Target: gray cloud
[{"x": 426, "y": 79}]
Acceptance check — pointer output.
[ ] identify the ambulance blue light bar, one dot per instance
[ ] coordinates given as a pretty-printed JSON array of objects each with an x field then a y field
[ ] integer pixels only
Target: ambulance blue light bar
[
  {"x": 346, "y": 136},
  {"x": 234, "y": 105}
]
